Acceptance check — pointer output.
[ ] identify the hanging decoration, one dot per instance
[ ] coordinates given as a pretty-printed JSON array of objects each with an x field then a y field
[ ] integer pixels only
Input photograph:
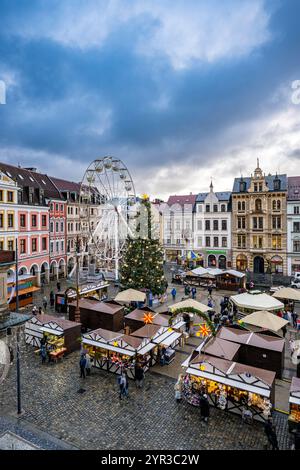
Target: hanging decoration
[
  {"x": 148, "y": 318},
  {"x": 203, "y": 331}
]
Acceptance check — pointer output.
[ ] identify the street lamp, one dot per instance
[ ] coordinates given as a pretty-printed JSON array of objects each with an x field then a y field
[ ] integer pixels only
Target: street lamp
[
  {"x": 77, "y": 309},
  {"x": 18, "y": 333}
]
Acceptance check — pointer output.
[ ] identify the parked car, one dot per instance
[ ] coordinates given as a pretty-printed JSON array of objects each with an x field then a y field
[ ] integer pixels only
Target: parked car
[{"x": 295, "y": 283}]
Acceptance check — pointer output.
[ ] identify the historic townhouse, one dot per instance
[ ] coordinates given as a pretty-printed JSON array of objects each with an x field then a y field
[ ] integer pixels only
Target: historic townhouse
[
  {"x": 24, "y": 216},
  {"x": 293, "y": 225},
  {"x": 259, "y": 231},
  {"x": 212, "y": 229},
  {"x": 177, "y": 220}
]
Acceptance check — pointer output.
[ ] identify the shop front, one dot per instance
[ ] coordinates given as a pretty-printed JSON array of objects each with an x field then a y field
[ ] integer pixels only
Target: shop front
[
  {"x": 294, "y": 402},
  {"x": 276, "y": 264},
  {"x": 117, "y": 352},
  {"x": 230, "y": 386}
]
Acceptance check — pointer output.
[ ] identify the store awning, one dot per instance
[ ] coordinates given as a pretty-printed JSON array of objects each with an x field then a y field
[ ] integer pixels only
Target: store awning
[
  {"x": 108, "y": 347},
  {"x": 294, "y": 400},
  {"x": 146, "y": 349},
  {"x": 232, "y": 383},
  {"x": 51, "y": 331},
  {"x": 167, "y": 338},
  {"x": 256, "y": 301}
]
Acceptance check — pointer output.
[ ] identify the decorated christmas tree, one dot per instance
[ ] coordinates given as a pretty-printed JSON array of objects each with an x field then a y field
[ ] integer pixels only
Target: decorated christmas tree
[{"x": 142, "y": 264}]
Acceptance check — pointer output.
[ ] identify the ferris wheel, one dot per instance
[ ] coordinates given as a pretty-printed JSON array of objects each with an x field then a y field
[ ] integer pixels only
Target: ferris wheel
[{"x": 108, "y": 202}]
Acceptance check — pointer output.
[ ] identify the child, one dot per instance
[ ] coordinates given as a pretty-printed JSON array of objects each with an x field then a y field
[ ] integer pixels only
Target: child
[{"x": 178, "y": 395}]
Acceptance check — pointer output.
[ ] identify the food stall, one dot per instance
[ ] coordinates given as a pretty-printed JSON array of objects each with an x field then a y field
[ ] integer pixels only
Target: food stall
[
  {"x": 96, "y": 291},
  {"x": 294, "y": 401},
  {"x": 161, "y": 337},
  {"x": 94, "y": 314},
  {"x": 136, "y": 319},
  {"x": 26, "y": 289},
  {"x": 115, "y": 352},
  {"x": 231, "y": 280},
  {"x": 249, "y": 302},
  {"x": 230, "y": 386},
  {"x": 257, "y": 349},
  {"x": 61, "y": 336}
]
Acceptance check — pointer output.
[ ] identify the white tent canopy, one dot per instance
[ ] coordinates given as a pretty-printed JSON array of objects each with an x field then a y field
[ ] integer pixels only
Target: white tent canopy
[
  {"x": 256, "y": 301},
  {"x": 265, "y": 320},
  {"x": 190, "y": 303},
  {"x": 287, "y": 293},
  {"x": 216, "y": 272},
  {"x": 235, "y": 273},
  {"x": 199, "y": 271},
  {"x": 130, "y": 295}
]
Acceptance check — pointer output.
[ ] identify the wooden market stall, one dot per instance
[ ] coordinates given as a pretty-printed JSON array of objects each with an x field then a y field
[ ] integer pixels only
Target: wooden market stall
[
  {"x": 26, "y": 289},
  {"x": 257, "y": 349},
  {"x": 61, "y": 336},
  {"x": 231, "y": 280},
  {"x": 250, "y": 302},
  {"x": 229, "y": 385},
  {"x": 94, "y": 314},
  {"x": 96, "y": 291},
  {"x": 115, "y": 352},
  {"x": 136, "y": 319},
  {"x": 294, "y": 402}
]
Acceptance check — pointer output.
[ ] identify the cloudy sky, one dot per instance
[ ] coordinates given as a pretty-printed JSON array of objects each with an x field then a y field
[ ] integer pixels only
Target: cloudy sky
[{"x": 180, "y": 90}]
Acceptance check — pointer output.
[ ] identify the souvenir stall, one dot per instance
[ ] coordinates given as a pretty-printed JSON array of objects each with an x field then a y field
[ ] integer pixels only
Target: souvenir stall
[
  {"x": 61, "y": 336},
  {"x": 257, "y": 349},
  {"x": 94, "y": 314},
  {"x": 26, "y": 289},
  {"x": 294, "y": 401},
  {"x": 116, "y": 352},
  {"x": 231, "y": 280},
  {"x": 96, "y": 291},
  {"x": 248, "y": 303},
  {"x": 230, "y": 386}
]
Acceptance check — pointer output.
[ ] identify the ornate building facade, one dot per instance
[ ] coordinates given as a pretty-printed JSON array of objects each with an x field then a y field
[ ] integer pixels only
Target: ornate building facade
[{"x": 259, "y": 223}]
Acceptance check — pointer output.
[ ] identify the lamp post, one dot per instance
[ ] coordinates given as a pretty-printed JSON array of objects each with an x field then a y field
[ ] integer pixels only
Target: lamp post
[
  {"x": 18, "y": 334},
  {"x": 77, "y": 309}
]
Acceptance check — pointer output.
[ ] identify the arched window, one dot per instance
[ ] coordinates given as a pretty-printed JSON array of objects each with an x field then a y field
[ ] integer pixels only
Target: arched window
[
  {"x": 278, "y": 205},
  {"x": 258, "y": 205},
  {"x": 274, "y": 205},
  {"x": 239, "y": 206},
  {"x": 243, "y": 206}
]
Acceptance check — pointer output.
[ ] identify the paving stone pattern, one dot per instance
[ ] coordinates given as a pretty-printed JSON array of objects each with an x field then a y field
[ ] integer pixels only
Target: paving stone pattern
[{"x": 97, "y": 419}]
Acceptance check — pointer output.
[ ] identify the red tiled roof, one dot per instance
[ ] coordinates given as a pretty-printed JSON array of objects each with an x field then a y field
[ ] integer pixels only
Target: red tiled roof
[
  {"x": 64, "y": 185},
  {"x": 182, "y": 200}
]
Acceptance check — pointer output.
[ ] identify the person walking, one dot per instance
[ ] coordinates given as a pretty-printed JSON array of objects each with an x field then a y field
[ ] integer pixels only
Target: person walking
[
  {"x": 187, "y": 320},
  {"x": 43, "y": 353},
  {"x": 294, "y": 319},
  {"x": 210, "y": 289},
  {"x": 58, "y": 286},
  {"x": 88, "y": 364},
  {"x": 270, "y": 432},
  {"x": 82, "y": 365},
  {"x": 204, "y": 408},
  {"x": 45, "y": 302},
  {"x": 194, "y": 293},
  {"x": 173, "y": 293},
  {"x": 41, "y": 311},
  {"x": 178, "y": 391},
  {"x": 34, "y": 310},
  {"x": 150, "y": 299},
  {"x": 52, "y": 299},
  {"x": 139, "y": 376}
]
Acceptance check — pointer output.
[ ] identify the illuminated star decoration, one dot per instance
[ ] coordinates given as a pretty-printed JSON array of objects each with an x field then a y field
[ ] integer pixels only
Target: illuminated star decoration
[
  {"x": 116, "y": 344},
  {"x": 203, "y": 331},
  {"x": 148, "y": 318},
  {"x": 145, "y": 197}
]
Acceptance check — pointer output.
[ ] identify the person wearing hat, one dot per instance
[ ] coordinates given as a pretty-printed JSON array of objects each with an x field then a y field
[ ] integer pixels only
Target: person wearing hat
[{"x": 204, "y": 408}]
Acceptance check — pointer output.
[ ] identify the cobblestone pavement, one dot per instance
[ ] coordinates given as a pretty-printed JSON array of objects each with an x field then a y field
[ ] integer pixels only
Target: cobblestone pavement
[{"x": 97, "y": 419}]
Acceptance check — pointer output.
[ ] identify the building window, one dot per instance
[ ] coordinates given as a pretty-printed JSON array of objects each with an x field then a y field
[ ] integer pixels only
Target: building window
[
  {"x": 241, "y": 241},
  {"x": 1, "y": 220},
  {"x": 296, "y": 246},
  {"x": 34, "y": 245},
  {"x": 51, "y": 247},
  {"x": 296, "y": 227},
  {"x": 57, "y": 227},
  {"x": 199, "y": 208},
  {"x": 276, "y": 222},
  {"x": 56, "y": 207},
  {"x": 277, "y": 184},
  {"x": 216, "y": 242},
  {"x": 33, "y": 220},
  {"x": 296, "y": 210},
  {"x": 61, "y": 226},
  {"x": 168, "y": 242},
  {"x": 260, "y": 187},
  {"x": 62, "y": 246},
  {"x": 207, "y": 208},
  {"x": 276, "y": 242},
  {"x": 258, "y": 223},
  {"x": 57, "y": 247},
  {"x": 44, "y": 243},
  {"x": 223, "y": 208},
  {"x": 51, "y": 207},
  {"x": 215, "y": 207},
  {"x": 207, "y": 225},
  {"x": 51, "y": 227},
  {"x": 241, "y": 222},
  {"x": 255, "y": 187},
  {"x": 10, "y": 196},
  {"x": 199, "y": 225},
  {"x": 257, "y": 242},
  {"x": 224, "y": 242},
  {"x": 44, "y": 221},
  {"x": 224, "y": 224},
  {"x": 207, "y": 241},
  {"x": 177, "y": 225},
  {"x": 199, "y": 241},
  {"x": 216, "y": 225},
  {"x": 10, "y": 245},
  {"x": 10, "y": 220},
  {"x": 178, "y": 241},
  {"x": 61, "y": 208},
  {"x": 1, "y": 245},
  {"x": 1, "y": 195},
  {"x": 187, "y": 224},
  {"x": 258, "y": 205},
  {"x": 276, "y": 205},
  {"x": 243, "y": 186},
  {"x": 23, "y": 246},
  {"x": 23, "y": 220}
]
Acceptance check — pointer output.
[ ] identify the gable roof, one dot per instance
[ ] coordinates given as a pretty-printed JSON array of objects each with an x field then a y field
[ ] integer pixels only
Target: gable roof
[
  {"x": 66, "y": 186},
  {"x": 182, "y": 200},
  {"x": 294, "y": 188},
  {"x": 221, "y": 196},
  {"x": 269, "y": 180}
]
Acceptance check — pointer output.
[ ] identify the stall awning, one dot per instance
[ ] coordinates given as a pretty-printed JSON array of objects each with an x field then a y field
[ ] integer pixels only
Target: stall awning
[
  {"x": 230, "y": 382},
  {"x": 146, "y": 349},
  {"x": 167, "y": 338},
  {"x": 108, "y": 347},
  {"x": 265, "y": 320},
  {"x": 51, "y": 331},
  {"x": 294, "y": 400},
  {"x": 256, "y": 301},
  {"x": 24, "y": 291}
]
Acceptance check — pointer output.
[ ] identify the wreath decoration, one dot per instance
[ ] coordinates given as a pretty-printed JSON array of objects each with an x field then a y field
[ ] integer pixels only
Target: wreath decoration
[{"x": 205, "y": 317}]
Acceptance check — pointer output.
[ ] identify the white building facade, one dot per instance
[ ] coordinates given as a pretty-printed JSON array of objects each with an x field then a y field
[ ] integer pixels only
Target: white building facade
[{"x": 293, "y": 226}]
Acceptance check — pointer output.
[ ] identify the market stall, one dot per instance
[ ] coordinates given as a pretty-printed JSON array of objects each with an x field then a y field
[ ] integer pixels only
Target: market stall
[
  {"x": 294, "y": 401},
  {"x": 26, "y": 289},
  {"x": 230, "y": 386},
  {"x": 115, "y": 352},
  {"x": 94, "y": 314},
  {"x": 249, "y": 303},
  {"x": 136, "y": 319},
  {"x": 257, "y": 349},
  {"x": 130, "y": 295},
  {"x": 221, "y": 348},
  {"x": 231, "y": 280},
  {"x": 61, "y": 336},
  {"x": 265, "y": 321},
  {"x": 97, "y": 291}
]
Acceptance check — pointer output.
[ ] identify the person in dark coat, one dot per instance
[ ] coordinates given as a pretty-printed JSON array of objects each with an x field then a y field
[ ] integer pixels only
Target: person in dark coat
[
  {"x": 52, "y": 299},
  {"x": 187, "y": 320},
  {"x": 204, "y": 408},
  {"x": 270, "y": 432},
  {"x": 139, "y": 376},
  {"x": 82, "y": 365}
]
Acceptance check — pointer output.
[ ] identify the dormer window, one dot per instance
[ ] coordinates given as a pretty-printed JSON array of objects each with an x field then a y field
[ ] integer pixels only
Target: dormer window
[
  {"x": 277, "y": 184},
  {"x": 242, "y": 186}
]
